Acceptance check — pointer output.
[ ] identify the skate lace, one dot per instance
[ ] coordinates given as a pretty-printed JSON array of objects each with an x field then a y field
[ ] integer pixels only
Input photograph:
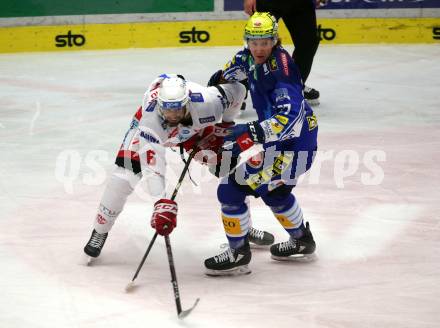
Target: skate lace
[
  {"x": 97, "y": 240},
  {"x": 287, "y": 245},
  {"x": 225, "y": 256},
  {"x": 257, "y": 234}
]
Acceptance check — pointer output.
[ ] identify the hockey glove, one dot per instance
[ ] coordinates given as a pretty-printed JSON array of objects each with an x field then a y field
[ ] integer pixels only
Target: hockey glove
[
  {"x": 242, "y": 137},
  {"x": 208, "y": 142},
  {"x": 164, "y": 218},
  {"x": 215, "y": 78}
]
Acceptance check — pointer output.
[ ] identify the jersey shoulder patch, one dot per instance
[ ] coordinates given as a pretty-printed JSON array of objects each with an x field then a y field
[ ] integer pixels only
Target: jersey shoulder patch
[
  {"x": 273, "y": 65},
  {"x": 151, "y": 106},
  {"x": 196, "y": 97}
]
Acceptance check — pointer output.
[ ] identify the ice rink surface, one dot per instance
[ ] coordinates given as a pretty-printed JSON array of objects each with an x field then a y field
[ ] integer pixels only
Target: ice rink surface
[{"x": 372, "y": 200}]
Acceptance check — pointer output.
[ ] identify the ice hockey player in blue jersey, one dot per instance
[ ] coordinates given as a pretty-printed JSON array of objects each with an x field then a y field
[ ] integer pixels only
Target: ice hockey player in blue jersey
[{"x": 286, "y": 134}]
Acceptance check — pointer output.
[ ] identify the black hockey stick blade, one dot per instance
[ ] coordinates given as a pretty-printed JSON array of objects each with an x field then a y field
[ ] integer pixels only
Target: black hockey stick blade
[{"x": 185, "y": 313}]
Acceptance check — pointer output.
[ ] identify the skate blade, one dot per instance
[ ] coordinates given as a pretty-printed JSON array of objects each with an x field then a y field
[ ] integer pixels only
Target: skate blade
[
  {"x": 238, "y": 271},
  {"x": 87, "y": 260},
  {"x": 259, "y": 246},
  {"x": 296, "y": 258}
]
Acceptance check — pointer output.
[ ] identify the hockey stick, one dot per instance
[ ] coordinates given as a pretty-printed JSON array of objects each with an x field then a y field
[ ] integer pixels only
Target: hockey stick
[
  {"x": 181, "y": 314},
  {"x": 130, "y": 285}
]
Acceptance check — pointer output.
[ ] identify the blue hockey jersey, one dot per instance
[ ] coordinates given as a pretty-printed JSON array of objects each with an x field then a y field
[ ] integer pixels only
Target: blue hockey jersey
[{"x": 276, "y": 90}]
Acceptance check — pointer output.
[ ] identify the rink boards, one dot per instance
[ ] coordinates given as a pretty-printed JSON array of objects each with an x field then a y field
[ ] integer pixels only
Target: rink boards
[{"x": 207, "y": 33}]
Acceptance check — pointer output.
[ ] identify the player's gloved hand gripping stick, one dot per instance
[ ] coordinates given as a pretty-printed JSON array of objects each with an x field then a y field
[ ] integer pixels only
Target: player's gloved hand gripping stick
[{"x": 164, "y": 221}]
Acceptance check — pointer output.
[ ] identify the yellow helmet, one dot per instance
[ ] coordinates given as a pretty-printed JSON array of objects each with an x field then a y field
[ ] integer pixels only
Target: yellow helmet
[{"x": 261, "y": 25}]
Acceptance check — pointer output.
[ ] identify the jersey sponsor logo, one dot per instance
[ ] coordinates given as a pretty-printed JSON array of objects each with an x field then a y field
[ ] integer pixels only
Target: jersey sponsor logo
[
  {"x": 107, "y": 211},
  {"x": 69, "y": 40},
  {"x": 245, "y": 141},
  {"x": 273, "y": 64},
  {"x": 280, "y": 165},
  {"x": 276, "y": 126},
  {"x": 282, "y": 119},
  {"x": 267, "y": 129},
  {"x": 148, "y": 137},
  {"x": 326, "y": 33},
  {"x": 134, "y": 124},
  {"x": 184, "y": 131},
  {"x": 196, "y": 97},
  {"x": 312, "y": 121},
  {"x": 184, "y": 134},
  {"x": 232, "y": 225},
  {"x": 255, "y": 161},
  {"x": 100, "y": 219},
  {"x": 284, "y": 221},
  {"x": 151, "y": 159},
  {"x": 208, "y": 119},
  {"x": 436, "y": 33},
  {"x": 284, "y": 61},
  {"x": 151, "y": 106},
  {"x": 194, "y": 36}
]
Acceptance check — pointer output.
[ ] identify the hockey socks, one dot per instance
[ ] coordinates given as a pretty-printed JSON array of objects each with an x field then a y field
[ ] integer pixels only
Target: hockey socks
[{"x": 236, "y": 222}]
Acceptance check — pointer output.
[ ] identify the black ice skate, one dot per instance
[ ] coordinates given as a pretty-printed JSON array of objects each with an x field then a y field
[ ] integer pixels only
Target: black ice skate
[
  {"x": 260, "y": 237},
  {"x": 301, "y": 249},
  {"x": 229, "y": 263},
  {"x": 95, "y": 244},
  {"x": 311, "y": 95}
]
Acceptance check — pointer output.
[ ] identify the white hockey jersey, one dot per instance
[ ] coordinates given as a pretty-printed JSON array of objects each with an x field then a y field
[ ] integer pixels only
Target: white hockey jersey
[{"x": 149, "y": 133}]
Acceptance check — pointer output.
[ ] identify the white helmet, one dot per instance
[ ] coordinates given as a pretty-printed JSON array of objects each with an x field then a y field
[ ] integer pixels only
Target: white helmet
[{"x": 173, "y": 93}]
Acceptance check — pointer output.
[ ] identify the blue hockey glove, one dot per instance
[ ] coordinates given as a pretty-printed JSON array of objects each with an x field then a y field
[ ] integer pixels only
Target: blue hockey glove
[{"x": 242, "y": 137}]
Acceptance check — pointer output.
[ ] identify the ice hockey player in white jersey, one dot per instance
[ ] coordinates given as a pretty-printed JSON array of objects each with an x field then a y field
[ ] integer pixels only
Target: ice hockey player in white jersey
[{"x": 174, "y": 112}]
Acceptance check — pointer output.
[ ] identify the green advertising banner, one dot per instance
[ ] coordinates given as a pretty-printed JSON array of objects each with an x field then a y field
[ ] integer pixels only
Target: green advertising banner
[{"x": 32, "y": 8}]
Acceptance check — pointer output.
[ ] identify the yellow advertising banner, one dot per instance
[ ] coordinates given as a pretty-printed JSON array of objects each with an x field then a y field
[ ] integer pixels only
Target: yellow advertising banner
[{"x": 207, "y": 33}]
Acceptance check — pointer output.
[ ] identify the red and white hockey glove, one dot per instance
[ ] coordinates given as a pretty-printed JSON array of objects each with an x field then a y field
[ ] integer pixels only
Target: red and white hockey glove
[{"x": 164, "y": 218}]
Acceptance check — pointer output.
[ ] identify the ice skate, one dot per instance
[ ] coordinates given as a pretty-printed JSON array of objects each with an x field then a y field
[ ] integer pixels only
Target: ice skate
[
  {"x": 301, "y": 249},
  {"x": 230, "y": 263},
  {"x": 95, "y": 245},
  {"x": 260, "y": 238}
]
